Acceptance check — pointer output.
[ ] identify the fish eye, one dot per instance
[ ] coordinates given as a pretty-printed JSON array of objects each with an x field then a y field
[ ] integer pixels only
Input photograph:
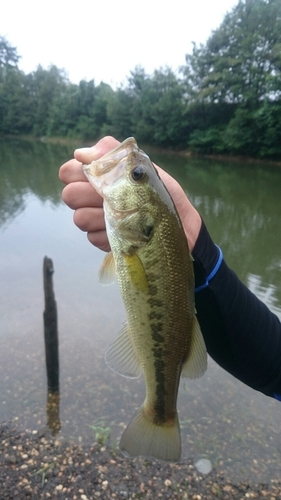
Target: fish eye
[{"x": 137, "y": 173}]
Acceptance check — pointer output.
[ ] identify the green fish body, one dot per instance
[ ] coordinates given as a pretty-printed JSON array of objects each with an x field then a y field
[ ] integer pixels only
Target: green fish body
[{"x": 151, "y": 258}]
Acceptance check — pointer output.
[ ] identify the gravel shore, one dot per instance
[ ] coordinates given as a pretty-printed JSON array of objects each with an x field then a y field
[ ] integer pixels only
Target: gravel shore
[{"x": 38, "y": 466}]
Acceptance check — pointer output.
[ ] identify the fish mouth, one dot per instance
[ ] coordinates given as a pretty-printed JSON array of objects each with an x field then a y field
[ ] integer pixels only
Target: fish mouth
[
  {"x": 108, "y": 169},
  {"x": 111, "y": 159}
]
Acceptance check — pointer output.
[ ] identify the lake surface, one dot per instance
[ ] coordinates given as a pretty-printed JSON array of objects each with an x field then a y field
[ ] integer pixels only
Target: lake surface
[{"x": 236, "y": 428}]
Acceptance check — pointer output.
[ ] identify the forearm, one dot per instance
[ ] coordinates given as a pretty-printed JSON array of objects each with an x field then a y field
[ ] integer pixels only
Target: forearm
[{"x": 241, "y": 333}]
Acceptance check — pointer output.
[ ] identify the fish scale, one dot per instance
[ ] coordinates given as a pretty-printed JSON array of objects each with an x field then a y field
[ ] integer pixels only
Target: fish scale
[{"x": 149, "y": 250}]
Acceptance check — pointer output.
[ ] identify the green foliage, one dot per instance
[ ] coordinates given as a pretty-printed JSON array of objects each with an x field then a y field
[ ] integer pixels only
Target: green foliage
[
  {"x": 240, "y": 134},
  {"x": 63, "y": 111},
  {"x": 8, "y": 54},
  {"x": 241, "y": 61},
  {"x": 45, "y": 86},
  {"x": 255, "y": 132},
  {"x": 240, "y": 68},
  {"x": 158, "y": 110},
  {"x": 44, "y": 471},
  {"x": 15, "y": 104},
  {"x": 268, "y": 121},
  {"x": 101, "y": 433},
  {"x": 207, "y": 141},
  {"x": 119, "y": 115},
  {"x": 227, "y": 99}
]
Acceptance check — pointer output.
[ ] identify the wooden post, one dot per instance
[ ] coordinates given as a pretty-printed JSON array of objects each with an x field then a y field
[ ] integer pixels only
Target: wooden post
[
  {"x": 50, "y": 327},
  {"x": 53, "y": 411}
]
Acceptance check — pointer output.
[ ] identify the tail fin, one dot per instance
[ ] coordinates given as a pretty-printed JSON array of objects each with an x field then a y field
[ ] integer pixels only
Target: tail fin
[{"x": 144, "y": 437}]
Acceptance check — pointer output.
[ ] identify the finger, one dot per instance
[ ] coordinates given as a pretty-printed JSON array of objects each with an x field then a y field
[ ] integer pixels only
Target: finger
[
  {"x": 87, "y": 155},
  {"x": 71, "y": 171},
  {"x": 99, "y": 239},
  {"x": 81, "y": 194},
  {"x": 89, "y": 219}
]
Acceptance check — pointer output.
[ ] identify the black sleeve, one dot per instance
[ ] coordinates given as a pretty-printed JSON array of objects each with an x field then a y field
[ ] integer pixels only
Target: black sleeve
[{"x": 241, "y": 334}]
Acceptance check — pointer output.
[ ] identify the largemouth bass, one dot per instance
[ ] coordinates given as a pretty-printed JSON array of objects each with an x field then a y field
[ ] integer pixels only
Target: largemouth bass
[{"x": 151, "y": 258}]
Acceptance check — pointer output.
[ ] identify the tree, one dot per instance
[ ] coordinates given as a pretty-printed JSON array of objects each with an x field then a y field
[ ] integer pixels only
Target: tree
[
  {"x": 14, "y": 112},
  {"x": 241, "y": 61},
  {"x": 255, "y": 132},
  {"x": 119, "y": 122},
  {"x": 234, "y": 81},
  {"x": 16, "y": 104},
  {"x": 8, "y": 54},
  {"x": 45, "y": 87},
  {"x": 158, "y": 107},
  {"x": 92, "y": 109},
  {"x": 64, "y": 111}
]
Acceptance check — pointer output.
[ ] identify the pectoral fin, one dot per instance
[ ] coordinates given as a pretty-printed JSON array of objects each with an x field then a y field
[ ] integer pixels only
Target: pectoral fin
[
  {"x": 136, "y": 271},
  {"x": 107, "y": 270},
  {"x": 121, "y": 357},
  {"x": 196, "y": 363}
]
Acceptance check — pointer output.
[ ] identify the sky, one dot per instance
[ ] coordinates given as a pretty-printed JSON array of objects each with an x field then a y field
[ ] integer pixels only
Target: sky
[{"x": 104, "y": 40}]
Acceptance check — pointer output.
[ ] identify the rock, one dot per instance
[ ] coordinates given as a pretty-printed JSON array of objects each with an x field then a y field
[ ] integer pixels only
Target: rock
[
  {"x": 203, "y": 465},
  {"x": 12, "y": 459}
]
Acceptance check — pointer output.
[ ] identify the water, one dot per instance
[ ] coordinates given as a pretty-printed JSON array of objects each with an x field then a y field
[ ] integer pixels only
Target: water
[{"x": 223, "y": 421}]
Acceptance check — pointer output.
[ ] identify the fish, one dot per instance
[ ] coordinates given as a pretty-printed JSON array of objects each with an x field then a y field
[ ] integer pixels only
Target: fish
[{"x": 151, "y": 259}]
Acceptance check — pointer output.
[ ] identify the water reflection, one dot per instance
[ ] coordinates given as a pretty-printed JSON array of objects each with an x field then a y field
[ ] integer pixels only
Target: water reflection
[
  {"x": 53, "y": 412},
  {"x": 266, "y": 293},
  {"x": 29, "y": 167}
]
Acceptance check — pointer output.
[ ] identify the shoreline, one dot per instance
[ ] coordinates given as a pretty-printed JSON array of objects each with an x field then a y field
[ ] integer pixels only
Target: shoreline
[
  {"x": 77, "y": 142},
  {"x": 37, "y": 466}
]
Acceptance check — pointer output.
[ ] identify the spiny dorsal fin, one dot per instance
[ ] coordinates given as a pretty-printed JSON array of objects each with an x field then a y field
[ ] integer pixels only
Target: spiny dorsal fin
[
  {"x": 196, "y": 364},
  {"x": 121, "y": 357}
]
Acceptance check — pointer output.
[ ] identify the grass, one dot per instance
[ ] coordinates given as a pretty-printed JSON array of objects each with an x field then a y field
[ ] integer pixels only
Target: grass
[
  {"x": 44, "y": 471},
  {"x": 101, "y": 432}
]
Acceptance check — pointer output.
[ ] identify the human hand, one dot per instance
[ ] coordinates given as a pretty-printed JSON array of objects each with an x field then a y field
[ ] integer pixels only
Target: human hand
[{"x": 81, "y": 196}]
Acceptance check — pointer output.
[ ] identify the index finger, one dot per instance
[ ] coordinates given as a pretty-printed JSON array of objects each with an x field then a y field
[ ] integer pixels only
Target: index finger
[{"x": 72, "y": 171}]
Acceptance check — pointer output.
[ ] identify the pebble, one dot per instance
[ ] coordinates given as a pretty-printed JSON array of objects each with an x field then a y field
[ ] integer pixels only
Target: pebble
[
  {"x": 107, "y": 475},
  {"x": 12, "y": 459},
  {"x": 203, "y": 465},
  {"x": 167, "y": 482},
  {"x": 104, "y": 485}
]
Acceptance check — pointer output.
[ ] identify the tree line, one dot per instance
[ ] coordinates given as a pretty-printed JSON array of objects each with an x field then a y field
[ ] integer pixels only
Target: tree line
[{"x": 226, "y": 98}]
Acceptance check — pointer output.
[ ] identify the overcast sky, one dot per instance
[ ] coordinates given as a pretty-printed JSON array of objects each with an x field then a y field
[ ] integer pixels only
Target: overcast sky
[{"x": 106, "y": 39}]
